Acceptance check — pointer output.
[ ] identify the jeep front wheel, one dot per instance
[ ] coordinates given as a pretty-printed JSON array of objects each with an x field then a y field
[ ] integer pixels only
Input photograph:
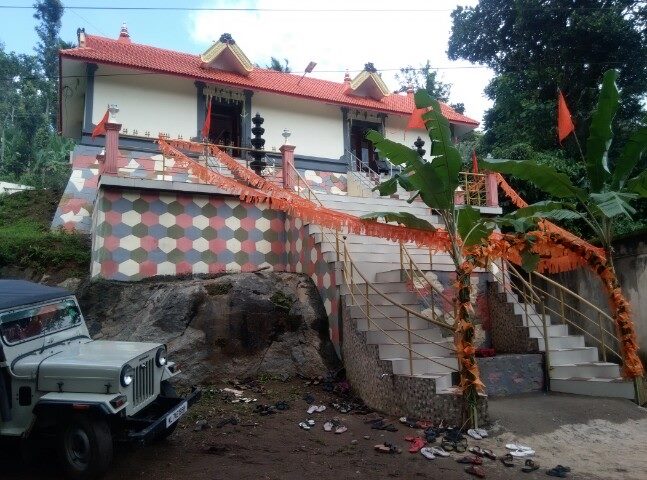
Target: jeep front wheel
[{"x": 85, "y": 447}]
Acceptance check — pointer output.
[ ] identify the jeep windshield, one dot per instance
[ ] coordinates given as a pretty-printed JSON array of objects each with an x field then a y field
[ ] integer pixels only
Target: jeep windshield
[{"x": 29, "y": 323}]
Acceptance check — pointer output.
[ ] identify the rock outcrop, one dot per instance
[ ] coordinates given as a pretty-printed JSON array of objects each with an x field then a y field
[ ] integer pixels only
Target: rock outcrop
[{"x": 232, "y": 325}]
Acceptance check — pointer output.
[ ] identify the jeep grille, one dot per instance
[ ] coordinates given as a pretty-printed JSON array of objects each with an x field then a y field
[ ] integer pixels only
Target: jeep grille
[{"x": 144, "y": 382}]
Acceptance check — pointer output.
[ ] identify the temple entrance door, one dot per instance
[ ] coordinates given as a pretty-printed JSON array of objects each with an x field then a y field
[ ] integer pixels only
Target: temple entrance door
[
  {"x": 362, "y": 148},
  {"x": 225, "y": 126}
]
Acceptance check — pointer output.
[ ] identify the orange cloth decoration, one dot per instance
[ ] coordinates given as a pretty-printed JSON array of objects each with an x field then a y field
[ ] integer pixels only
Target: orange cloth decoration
[
  {"x": 100, "y": 129},
  {"x": 564, "y": 121}
]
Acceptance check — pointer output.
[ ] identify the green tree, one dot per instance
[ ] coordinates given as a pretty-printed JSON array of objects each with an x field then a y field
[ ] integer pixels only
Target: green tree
[
  {"x": 536, "y": 46},
  {"x": 423, "y": 78},
  {"x": 435, "y": 182},
  {"x": 49, "y": 14},
  {"x": 275, "y": 64}
]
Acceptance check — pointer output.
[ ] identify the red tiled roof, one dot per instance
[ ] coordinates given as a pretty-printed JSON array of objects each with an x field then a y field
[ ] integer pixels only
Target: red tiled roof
[{"x": 144, "y": 57}]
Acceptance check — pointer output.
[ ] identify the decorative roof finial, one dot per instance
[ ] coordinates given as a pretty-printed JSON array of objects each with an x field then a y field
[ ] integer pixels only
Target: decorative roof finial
[
  {"x": 410, "y": 89},
  {"x": 124, "y": 36},
  {"x": 227, "y": 38},
  {"x": 346, "y": 77},
  {"x": 369, "y": 67}
]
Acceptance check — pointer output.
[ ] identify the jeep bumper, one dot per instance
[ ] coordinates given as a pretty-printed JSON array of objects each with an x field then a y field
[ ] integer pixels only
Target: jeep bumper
[{"x": 161, "y": 415}]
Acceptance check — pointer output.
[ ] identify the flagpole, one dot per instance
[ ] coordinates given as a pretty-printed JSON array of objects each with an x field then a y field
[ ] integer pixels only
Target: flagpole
[
  {"x": 577, "y": 141},
  {"x": 579, "y": 147}
]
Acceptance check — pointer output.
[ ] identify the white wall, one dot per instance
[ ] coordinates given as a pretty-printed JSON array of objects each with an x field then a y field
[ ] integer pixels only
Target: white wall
[
  {"x": 73, "y": 98},
  {"x": 147, "y": 102},
  {"x": 395, "y": 130},
  {"x": 316, "y": 128}
]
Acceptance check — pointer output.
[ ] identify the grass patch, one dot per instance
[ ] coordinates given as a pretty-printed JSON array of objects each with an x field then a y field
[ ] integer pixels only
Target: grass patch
[
  {"x": 218, "y": 288},
  {"x": 27, "y": 242},
  {"x": 282, "y": 301}
]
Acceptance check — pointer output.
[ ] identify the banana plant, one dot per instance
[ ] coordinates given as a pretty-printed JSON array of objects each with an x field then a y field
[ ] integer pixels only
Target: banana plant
[
  {"x": 608, "y": 191},
  {"x": 435, "y": 182}
]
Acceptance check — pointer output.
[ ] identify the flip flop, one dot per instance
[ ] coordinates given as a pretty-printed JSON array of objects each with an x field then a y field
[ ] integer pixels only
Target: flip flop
[
  {"x": 507, "y": 460},
  {"x": 382, "y": 448},
  {"x": 477, "y": 471},
  {"x": 409, "y": 438},
  {"x": 563, "y": 468},
  {"x": 522, "y": 453},
  {"x": 311, "y": 409},
  {"x": 310, "y": 422},
  {"x": 320, "y": 408},
  {"x": 427, "y": 453},
  {"x": 489, "y": 454},
  {"x": 472, "y": 433},
  {"x": 416, "y": 445},
  {"x": 481, "y": 431},
  {"x": 328, "y": 426},
  {"x": 448, "y": 446},
  {"x": 304, "y": 425},
  {"x": 477, "y": 451},
  {"x": 340, "y": 429},
  {"x": 424, "y": 424},
  {"x": 470, "y": 460},
  {"x": 530, "y": 466},
  {"x": 439, "y": 452},
  {"x": 514, "y": 446}
]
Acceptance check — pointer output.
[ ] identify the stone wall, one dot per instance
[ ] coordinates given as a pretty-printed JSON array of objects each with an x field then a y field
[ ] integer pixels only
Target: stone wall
[
  {"x": 373, "y": 380},
  {"x": 512, "y": 374},
  {"x": 508, "y": 332}
]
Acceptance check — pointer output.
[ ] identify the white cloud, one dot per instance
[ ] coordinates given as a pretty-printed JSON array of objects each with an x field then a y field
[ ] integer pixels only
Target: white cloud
[{"x": 348, "y": 39}]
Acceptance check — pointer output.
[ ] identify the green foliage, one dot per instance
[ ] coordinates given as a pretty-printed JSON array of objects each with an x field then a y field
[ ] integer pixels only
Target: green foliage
[
  {"x": 423, "y": 78},
  {"x": 27, "y": 242},
  {"x": 275, "y": 64},
  {"x": 470, "y": 227},
  {"x": 402, "y": 218},
  {"x": 630, "y": 157},
  {"x": 601, "y": 133}
]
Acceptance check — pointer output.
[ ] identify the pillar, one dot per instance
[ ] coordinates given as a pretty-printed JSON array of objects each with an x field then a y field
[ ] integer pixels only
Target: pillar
[
  {"x": 491, "y": 190},
  {"x": 287, "y": 152},
  {"x": 112, "y": 148}
]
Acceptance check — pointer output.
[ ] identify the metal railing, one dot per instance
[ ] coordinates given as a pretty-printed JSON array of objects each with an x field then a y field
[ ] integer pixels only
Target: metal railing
[{"x": 360, "y": 293}]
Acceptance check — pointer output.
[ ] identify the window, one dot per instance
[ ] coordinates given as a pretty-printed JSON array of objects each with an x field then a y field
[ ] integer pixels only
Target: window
[{"x": 35, "y": 322}]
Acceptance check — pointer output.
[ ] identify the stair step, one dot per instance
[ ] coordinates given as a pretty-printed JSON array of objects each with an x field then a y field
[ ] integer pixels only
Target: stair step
[
  {"x": 389, "y": 258},
  {"x": 418, "y": 350},
  {"x": 400, "y": 336},
  {"x": 443, "y": 382},
  {"x": 553, "y": 331},
  {"x": 586, "y": 370},
  {"x": 380, "y": 311},
  {"x": 443, "y": 365},
  {"x": 394, "y": 324},
  {"x": 597, "y": 387},
  {"x": 384, "y": 287},
  {"x": 573, "y": 355},
  {"x": 568, "y": 341},
  {"x": 410, "y": 299}
]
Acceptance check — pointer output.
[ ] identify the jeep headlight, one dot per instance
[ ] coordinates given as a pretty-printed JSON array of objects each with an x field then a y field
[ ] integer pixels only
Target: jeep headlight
[
  {"x": 127, "y": 374},
  {"x": 160, "y": 357}
]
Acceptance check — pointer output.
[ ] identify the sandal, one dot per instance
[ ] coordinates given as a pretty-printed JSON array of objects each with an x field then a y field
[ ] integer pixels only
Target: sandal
[
  {"x": 489, "y": 454},
  {"x": 461, "y": 446},
  {"x": 340, "y": 429},
  {"x": 557, "y": 472},
  {"x": 477, "y": 451},
  {"x": 427, "y": 453},
  {"x": 328, "y": 426},
  {"x": 507, "y": 460},
  {"x": 472, "y": 433},
  {"x": 470, "y": 460},
  {"x": 416, "y": 445},
  {"x": 477, "y": 471},
  {"x": 304, "y": 425},
  {"x": 439, "y": 452},
  {"x": 530, "y": 466}
]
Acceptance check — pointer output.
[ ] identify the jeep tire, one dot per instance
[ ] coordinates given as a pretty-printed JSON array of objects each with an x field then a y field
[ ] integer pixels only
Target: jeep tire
[{"x": 84, "y": 447}]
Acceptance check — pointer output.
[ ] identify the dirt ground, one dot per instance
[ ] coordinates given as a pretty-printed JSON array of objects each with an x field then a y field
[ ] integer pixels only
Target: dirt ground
[{"x": 597, "y": 438}]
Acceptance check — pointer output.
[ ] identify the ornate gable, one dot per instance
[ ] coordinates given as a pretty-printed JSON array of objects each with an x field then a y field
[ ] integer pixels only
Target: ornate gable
[
  {"x": 226, "y": 55},
  {"x": 368, "y": 84}
]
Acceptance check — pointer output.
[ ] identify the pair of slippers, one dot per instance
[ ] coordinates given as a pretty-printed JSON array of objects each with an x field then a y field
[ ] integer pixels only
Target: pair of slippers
[
  {"x": 432, "y": 452},
  {"x": 316, "y": 408},
  {"x": 282, "y": 405},
  {"x": 416, "y": 443},
  {"x": 483, "y": 452},
  {"x": 387, "y": 448},
  {"x": 343, "y": 407},
  {"x": 458, "y": 446},
  {"x": 470, "y": 460},
  {"x": 382, "y": 425},
  {"x": 307, "y": 424},
  {"x": 476, "y": 471},
  {"x": 336, "y": 425},
  {"x": 477, "y": 433},
  {"x": 559, "y": 471},
  {"x": 519, "y": 451},
  {"x": 265, "y": 410}
]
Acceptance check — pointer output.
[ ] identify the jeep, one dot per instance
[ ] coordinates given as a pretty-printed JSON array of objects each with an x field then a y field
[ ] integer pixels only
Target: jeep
[{"x": 56, "y": 382}]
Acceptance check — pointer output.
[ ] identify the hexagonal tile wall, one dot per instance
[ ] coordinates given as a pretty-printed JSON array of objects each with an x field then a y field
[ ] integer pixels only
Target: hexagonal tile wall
[{"x": 140, "y": 234}]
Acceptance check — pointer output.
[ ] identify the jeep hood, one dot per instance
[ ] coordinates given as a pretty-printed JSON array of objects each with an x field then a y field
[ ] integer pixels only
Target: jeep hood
[{"x": 93, "y": 367}]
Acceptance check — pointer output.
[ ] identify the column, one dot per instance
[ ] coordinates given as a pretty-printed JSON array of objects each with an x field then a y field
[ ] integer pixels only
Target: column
[
  {"x": 287, "y": 152},
  {"x": 112, "y": 148}
]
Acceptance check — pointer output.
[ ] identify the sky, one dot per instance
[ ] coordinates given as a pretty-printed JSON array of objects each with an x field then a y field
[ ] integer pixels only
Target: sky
[{"x": 409, "y": 33}]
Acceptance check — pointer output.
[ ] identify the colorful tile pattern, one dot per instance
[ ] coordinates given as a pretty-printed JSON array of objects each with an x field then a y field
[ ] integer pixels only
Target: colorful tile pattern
[
  {"x": 140, "y": 234},
  {"x": 75, "y": 208},
  {"x": 304, "y": 255}
]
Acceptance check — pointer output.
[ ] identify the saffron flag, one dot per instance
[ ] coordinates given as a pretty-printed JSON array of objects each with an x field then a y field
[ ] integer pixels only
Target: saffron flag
[
  {"x": 207, "y": 121},
  {"x": 564, "y": 121},
  {"x": 475, "y": 162},
  {"x": 100, "y": 129}
]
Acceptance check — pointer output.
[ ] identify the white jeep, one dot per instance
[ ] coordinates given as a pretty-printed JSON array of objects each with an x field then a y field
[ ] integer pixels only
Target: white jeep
[{"x": 56, "y": 381}]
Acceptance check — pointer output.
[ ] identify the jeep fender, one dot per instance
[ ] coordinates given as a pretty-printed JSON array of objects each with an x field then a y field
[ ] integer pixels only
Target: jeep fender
[{"x": 61, "y": 403}]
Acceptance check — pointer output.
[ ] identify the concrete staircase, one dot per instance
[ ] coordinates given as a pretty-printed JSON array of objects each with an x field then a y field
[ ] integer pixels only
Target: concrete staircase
[
  {"x": 574, "y": 367},
  {"x": 379, "y": 261}
]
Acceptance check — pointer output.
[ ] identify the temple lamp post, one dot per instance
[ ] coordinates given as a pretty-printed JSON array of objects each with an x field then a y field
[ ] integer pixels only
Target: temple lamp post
[{"x": 258, "y": 164}]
